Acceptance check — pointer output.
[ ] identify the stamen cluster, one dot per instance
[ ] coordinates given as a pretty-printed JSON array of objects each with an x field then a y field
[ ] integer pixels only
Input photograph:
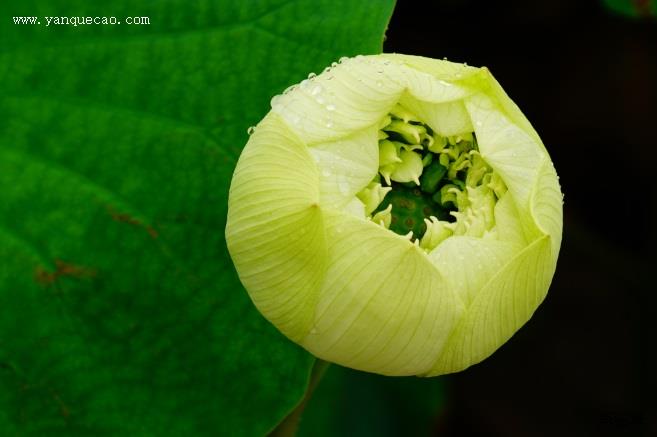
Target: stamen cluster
[{"x": 429, "y": 186}]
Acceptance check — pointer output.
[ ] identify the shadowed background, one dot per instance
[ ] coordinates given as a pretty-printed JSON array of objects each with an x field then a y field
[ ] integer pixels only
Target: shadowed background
[{"x": 586, "y": 78}]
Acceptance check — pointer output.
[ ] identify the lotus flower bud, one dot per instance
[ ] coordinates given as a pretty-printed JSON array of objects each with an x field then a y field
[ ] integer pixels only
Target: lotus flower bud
[{"x": 396, "y": 214}]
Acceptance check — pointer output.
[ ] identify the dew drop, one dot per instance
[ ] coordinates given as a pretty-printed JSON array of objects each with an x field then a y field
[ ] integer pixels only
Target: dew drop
[
  {"x": 313, "y": 331},
  {"x": 327, "y": 69},
  {"x": 316, "y": 90},
  {"x": 250, "y": 130},
  {"x": 379, "y": 83},
  {"x": 304, "y": 84},
  {"x": 295, "y": 119},
  {"x": 330, "y": 107},
  {"x": 334, "y": 64},
  {"x": 275, "y": 101},
  {"x": 311, "y": 75},
  {"x": 342, "y": 59},
  {"x": 329, "y": 124},
  {"x": 320, "y": 100},
  {"x": 478, "y": 123}
]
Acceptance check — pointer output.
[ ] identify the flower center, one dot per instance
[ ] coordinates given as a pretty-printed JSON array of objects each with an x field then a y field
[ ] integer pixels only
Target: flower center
[{"x": 428, "y": 186}]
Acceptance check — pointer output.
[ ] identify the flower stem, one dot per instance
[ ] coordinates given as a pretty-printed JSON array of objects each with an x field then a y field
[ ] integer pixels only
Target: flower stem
[{"x": 290, "y": 425}]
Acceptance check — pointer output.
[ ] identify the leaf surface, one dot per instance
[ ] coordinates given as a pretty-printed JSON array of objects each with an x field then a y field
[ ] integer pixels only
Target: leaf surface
[{"x": 121, "y": 311}]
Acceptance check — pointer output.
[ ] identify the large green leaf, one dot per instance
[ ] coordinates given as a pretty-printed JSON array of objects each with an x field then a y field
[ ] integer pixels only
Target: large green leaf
[{"x": 121, "y": 310}]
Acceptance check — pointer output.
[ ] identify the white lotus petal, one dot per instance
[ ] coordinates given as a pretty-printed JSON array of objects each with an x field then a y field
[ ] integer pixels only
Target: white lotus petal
[
  {"x": 346, "y": 165},
  {"x": 450, "y": 118},
  {"x": 383, "y": 307},
  {"x": 502, "y": 306},
  {"x": 360, "y": 92},
  {"x": 275, "y": 192}
]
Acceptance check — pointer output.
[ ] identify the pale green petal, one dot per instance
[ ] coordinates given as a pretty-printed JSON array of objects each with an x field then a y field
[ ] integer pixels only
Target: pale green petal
[
  {"x": 450, "y": 118},
  {"x": 509, "y": 108},
  {"x": 547, "y": 205},
  {"x": 383, "y": 307},
  {"x": 468, "y": 263},
  {"x": 437, "y": 68},
  {"x": 346, "y": 166},
  {"x": 355, "y": 94},
  {"x": 499, "y": 309},
  {"x": 274, "y": 193},
  {"x": 507, "y": 222},
  {"x": 509, "y": 150},
  {"x": 356, "y": 208}
]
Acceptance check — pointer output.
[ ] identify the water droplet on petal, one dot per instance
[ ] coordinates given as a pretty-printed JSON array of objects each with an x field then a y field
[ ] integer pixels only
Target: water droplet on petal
[
  {"x": 250, "y": 130},
  {"x": 379, "y": 83},
  {"x": 342, "y": 59},
  {"x": 329, "y": 124},
  {"x": 478, "y": 123},
  {"x": 330, "y": 107},
  {"x": 334, "y": 64},
  {"x": 275, "y": 101},
  {"x": 311, "y": 75},
  {"x": 320, "y": 100},
  {"x": 295, "y": 119},
  {"x": 316, "y": 90},
  {"x": 313, "y": 331},
  {"x": 304, "y": 84}
]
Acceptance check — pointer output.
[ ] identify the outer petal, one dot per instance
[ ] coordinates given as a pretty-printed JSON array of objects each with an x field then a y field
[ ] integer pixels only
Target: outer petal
[
  {"x": 384, "y": 307},
  {"x": 468, "y": 263},
  {"x": 352, "y": 96},
  {"x": 502, "y": 306},
  {"x": 275, "y": 229}
]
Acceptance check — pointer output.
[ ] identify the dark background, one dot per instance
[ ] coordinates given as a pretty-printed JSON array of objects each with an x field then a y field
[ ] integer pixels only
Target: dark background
[{"x": 585, "y": 364}]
